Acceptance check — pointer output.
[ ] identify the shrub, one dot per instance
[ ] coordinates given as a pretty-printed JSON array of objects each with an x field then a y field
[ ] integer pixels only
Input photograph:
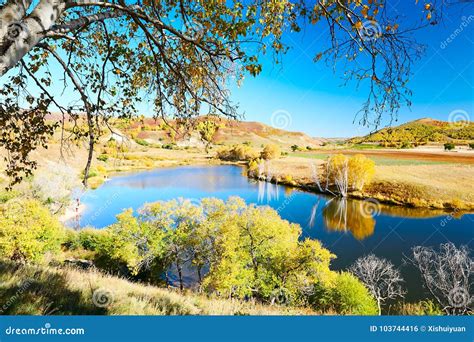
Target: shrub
[
  {"x": 237, "y": 153},
  {"x": 91, "y": 239},
  {"x": 103, "y": 157},
  {"x": 170, "y": 146},
  {"x": 294, "y": 148},
  {"x": 28, "y": 231},
  {"x": 355, "y": 172},
  {"x": 422, "y": 308},
  {"x": 142, "y": 142},
  {"x": 345, "y": 295},
  {"x": 361, "y": 171},
  {"x": 270, "y": 151},
  {"x": 471, "y": 146},
  {"x": 449, "y": 146}
]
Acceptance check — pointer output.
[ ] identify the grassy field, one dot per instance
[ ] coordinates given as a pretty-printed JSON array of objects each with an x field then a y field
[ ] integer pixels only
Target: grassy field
[{"x": 41, "y": 290}]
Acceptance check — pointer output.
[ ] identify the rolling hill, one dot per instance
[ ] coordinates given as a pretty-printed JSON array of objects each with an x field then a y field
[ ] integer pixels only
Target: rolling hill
[{"x": 421, "y": 131}]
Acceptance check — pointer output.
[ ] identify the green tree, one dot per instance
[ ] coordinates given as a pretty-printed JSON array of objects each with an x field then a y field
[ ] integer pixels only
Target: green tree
[
  {"x": 28, "y": 231},
  {"x": 207, "y": 130}
]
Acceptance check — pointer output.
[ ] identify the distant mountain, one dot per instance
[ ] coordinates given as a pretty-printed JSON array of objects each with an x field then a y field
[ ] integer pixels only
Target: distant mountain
[
  {"x": 229, "y": 132},
  {"x": 421, "y": 131}
]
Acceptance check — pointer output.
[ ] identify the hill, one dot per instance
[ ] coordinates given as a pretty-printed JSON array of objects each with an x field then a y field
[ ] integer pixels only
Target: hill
[
  {"x": 420, "y": 132},
  {"x": 42, "y": 290},
  {"x": 228, "y": 132}
]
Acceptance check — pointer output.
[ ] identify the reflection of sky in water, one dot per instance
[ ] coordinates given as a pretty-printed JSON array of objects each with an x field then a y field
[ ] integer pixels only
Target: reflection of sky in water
[{"x": 343, "y": 226}]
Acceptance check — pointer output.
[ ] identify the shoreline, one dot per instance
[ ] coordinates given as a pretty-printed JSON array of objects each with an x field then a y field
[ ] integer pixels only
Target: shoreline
[{"x": 71, "y": 212}]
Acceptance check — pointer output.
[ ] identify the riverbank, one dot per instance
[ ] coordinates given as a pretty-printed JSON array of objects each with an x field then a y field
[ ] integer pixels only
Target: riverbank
[
  {"x": 428, "y": 179},
  {"x": 446, "y": 186}
]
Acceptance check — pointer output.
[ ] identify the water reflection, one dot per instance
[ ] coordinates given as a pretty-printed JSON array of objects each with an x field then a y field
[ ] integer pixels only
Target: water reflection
[{"x": 341, "y": 215}]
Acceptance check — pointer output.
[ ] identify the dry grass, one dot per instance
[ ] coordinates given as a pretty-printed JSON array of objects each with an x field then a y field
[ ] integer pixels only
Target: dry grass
[
  {"x": 66, "y": 291},
  {"x": 427, "y": 185}
]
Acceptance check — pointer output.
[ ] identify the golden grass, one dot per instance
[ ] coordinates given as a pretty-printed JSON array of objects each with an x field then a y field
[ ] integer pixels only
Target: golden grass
[{"x": 36, "y": 290}]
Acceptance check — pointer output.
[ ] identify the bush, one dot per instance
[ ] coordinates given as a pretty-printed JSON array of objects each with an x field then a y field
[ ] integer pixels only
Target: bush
[
  {"x": 28, "y": 231},
  {"x": 237, "y": 153},
  {"x": 346, "y": 295},
  {"x": 270, "y": 151},
  {"x": 142, "y": 142},
  {"x": 170, "y": 146},
  {"x": 422, "y": 308},
  {"x": 360, "y": 170},
  {"x": 449, "y": 146},
  {"x": 103, "y": 157},
  {"x": 471, "y": 146},
  {"x": 294, "y": 148}
]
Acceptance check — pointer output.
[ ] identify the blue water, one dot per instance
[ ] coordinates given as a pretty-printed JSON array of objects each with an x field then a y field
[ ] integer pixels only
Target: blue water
[{"x": 391, "y": 232}]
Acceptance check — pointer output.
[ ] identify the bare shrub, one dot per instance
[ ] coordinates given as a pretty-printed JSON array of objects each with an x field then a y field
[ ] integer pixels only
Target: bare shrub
[
  {"x": 447, "y": 274},
  {"x": 380, "y": 276}
]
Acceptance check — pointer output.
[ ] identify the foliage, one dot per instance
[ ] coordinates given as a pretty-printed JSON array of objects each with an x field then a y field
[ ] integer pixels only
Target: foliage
[
  {"x": 348, "y": 172},
  {"x": 207, "y": 130},
  {"x": 345, "y": 295},
  {"x": 234, "y": 249},
  {"x": 142, "y": 142},
  {"x": 237, "y": 153},
  {"x": 419, "y": 132},
  {"x": 103, "y": 157},
  {"x": 28, "y": 231},
  {"x": 294, "y": 148},
  {"x": 421, "y": 308},
  {"x": 471, "y": 146},
  {"x": 270, "y": 151},
  {"x": 449, "y": 146}
]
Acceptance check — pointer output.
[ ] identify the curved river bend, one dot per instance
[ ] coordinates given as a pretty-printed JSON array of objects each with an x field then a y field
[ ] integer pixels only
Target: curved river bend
[{"x": 349, "y": 228}]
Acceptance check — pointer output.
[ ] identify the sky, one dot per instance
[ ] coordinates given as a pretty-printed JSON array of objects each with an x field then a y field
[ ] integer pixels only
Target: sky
[
  {"x": 301, "y": 95},
  {"x": 309, "y": 96}
]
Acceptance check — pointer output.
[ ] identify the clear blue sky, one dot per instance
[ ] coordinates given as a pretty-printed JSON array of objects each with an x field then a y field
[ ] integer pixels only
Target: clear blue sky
[{"x": 312, "y": 94}]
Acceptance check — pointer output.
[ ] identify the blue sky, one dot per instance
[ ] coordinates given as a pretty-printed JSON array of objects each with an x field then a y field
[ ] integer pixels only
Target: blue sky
[{"x": 317, "y": 104}]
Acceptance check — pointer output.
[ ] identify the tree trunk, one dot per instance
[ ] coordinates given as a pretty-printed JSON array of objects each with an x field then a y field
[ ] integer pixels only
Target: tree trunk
[
  {"x": 19, "y": 35},
  {"x": 379, "y": 305}
]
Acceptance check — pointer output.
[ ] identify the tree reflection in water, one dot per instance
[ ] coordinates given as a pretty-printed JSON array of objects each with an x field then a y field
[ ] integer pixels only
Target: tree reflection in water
[{"x": 348, "y": 215}]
